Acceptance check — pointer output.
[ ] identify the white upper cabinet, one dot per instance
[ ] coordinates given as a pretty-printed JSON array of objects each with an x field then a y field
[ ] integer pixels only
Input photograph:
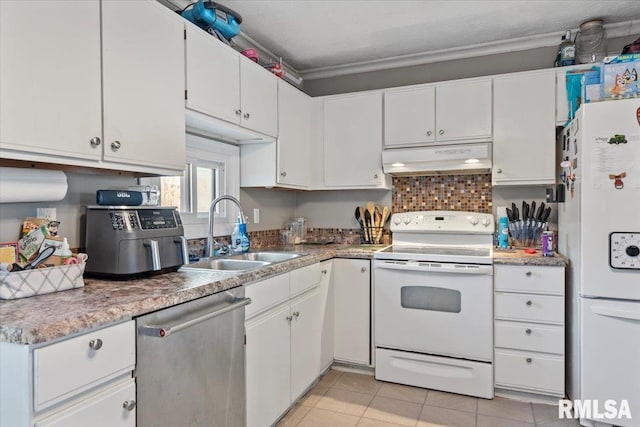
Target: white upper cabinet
[
  {"x": 70, "y": 102},
  {"x": 409, "y": 116},
  {"x": 143, "y": 84},
  {"x": 258, "y": 98},
  {"x": 438, "y": 114},
  {"x": 524, "y": 128},
  {"x": 352, "y": 141},
  {"x": 223, "y": 84},
  {"x": 213, "y": 76},
  {"x": 285, "y": 163},
  {"x": 463, "y": 111},
  {"x": 50, "y": 100}
]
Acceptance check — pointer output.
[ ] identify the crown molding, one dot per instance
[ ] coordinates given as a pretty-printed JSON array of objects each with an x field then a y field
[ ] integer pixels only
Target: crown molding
[{"x": 621, "y": 29}]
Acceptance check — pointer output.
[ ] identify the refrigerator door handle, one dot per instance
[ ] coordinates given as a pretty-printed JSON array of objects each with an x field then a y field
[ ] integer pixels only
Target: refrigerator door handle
[{"x": 616, "y": 313}]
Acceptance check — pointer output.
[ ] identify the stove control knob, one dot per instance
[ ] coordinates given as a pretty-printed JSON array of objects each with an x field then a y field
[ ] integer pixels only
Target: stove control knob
[
  {"x": 473, "y": 220},
  {"x": 486, "y": 221},
  {"x": 407, "y": 219},
  {"x": 397, "y": 220}
]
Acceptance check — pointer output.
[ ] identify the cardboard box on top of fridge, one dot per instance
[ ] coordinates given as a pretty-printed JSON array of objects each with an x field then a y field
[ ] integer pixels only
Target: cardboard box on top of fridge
[{"x": 619, "y": 76}]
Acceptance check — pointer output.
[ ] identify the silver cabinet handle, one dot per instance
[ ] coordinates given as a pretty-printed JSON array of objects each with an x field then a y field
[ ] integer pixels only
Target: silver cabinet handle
[
  {"x": 129, "y": 405},
  {"x": 95, "y": 141},
  {"x": 529, "y": 360},
  {"x": 527, "y": 331},
  {"x": 165, "y": 331},
  {"x": 441, "y": 131},
  {"x": 289, "y": 318},
  {"x": 238, "y": 112},
  {"x": 528, "y": 274},
  {"x": 115, "y": 145},
  {"x": 324, "y": 271},
  {"x": 499, "y": 171},
  {"x": 155, "y": 253},
  {"x": 296, "y": 314},
  {"x": 283, "y": 173},
  {"x": 529, "y": 302},
  {"x": 429, "y": 133},
  {"x": 95, "y": 344},
  {"x": 363, "y": 270},
  {"x": 375, "y": 175},
  {"x": 246, "y": 115}
]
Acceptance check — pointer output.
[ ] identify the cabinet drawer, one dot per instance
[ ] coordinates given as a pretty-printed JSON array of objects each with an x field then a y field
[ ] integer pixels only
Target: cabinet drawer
[
  {"x": 530, "y": 336},
  {"x": 304, "y": 278},
  {"x": 531, "y": 371},
  {"x": 535, "y": 279},
  {"x": 266, "y": 294},
  {"x": 66, "y": 368},
  {"x": 527, "y": 307},
  {"x": 104, "y": 409}
]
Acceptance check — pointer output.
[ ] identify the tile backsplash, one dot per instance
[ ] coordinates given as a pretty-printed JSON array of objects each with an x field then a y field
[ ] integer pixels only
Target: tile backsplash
[{"x": 469, "y": 192}]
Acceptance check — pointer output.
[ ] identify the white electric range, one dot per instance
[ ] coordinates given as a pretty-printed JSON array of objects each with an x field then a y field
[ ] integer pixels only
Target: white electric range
[{"x": 433, "y": 301}]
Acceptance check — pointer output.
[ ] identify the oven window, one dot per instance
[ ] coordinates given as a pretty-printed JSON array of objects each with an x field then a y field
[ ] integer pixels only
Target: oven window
[{"x": 430, "y": 298}]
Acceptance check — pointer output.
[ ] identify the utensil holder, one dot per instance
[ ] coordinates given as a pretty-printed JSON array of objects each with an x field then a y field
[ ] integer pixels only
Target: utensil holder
[{"x": 371, "y": 235}]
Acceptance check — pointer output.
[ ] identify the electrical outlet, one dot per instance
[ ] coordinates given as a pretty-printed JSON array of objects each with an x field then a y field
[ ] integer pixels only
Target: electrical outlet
[
  {"x": 48, "y": 213},
  {"x": 256, "y": 216}
]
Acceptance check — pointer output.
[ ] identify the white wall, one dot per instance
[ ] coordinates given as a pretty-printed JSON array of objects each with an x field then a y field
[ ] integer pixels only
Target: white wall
[
  {"x": 336, "y": 209},
  {"x": 276, "y": 206},
  {"x": 70, "y": 210}
]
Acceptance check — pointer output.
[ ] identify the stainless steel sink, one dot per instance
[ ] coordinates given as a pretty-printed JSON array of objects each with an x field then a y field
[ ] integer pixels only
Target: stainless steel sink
[
  {"x": 270, "y": 257},
  {"x": 225, "y": 264}
]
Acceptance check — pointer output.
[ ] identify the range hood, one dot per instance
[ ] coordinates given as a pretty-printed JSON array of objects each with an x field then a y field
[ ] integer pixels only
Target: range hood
[{"x": 439, "y": 159}]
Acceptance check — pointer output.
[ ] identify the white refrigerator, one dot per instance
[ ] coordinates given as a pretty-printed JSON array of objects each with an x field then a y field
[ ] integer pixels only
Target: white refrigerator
[{"x": 599, "y": 232}]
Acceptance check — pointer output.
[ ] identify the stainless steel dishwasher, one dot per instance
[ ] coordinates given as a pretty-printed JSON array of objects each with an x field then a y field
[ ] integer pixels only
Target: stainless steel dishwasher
[{"x": 190, "y": 363}]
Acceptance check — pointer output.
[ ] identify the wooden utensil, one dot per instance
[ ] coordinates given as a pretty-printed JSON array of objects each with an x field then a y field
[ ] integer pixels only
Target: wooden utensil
[
  {"x": 383, "y": 220},
  {"x": 367, "y": 228}
]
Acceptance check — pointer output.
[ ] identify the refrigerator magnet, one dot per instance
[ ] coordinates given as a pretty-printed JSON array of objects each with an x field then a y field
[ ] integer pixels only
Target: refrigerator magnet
[{"x": 617, "y": 180}]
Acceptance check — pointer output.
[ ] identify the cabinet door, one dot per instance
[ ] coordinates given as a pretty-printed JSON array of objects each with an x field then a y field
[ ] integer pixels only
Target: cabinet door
[
  {"x": 258, "y": 98},
  {"x": 353, "y": 140},
  {"x": 463, "y": 111},
  {"x": 409, "y": 116},
  {"x": 50, "y": 102},
  {"x": 352, "y": 290},
  {"x": 294, "y": 136},
  {"x": 306, "y": 331},
  {"x": 213, "y": 76},
  {"x": 143, "y": 84},
  {"x": 524, "y": 129},
  {"x": 105, "y": 409},
  {"x": 327, "y": 304},
  {"x": 268, "y": 367}
]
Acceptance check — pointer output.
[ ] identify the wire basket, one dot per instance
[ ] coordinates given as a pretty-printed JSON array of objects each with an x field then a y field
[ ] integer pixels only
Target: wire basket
[
  {"x": 371, "y": 235},
  {"x": 38, "y": 281}
]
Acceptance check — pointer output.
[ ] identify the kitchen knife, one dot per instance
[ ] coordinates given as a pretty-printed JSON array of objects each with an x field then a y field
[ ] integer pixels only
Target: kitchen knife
[
  {"x": 540, "y": 212},
  {"x": 514, "y": 209},
  {"x": 532, "y": 212},
  {"x": 510, "y": 215},
  {"x": 525, "y": 210},
  {"x": 545, "y": 215}
]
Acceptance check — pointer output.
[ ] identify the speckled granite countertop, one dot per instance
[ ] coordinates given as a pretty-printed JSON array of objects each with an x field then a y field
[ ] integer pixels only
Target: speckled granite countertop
[
  {"x": 48, "y": 317},
  {"x": 519, "y": 257},
  {"x": 43, "y": 318}
]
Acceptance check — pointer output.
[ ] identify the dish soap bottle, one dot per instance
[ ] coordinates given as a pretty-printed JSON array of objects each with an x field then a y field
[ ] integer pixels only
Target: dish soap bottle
[
  {"x": 236, "y": 239},
  {"x": 64, "y": 252},
  {"x": 245, "y": 242}
]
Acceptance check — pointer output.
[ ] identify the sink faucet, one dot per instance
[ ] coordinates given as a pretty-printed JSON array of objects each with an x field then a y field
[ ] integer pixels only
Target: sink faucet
[{"x": 212, "y": 208}]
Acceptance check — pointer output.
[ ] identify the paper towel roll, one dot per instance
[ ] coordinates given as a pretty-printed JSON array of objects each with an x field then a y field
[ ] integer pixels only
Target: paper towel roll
[{"x": 19, "y": 185}]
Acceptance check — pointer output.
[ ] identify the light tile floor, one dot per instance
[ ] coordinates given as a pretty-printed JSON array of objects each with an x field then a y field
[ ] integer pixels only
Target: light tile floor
[{"x": 348, "y": 399}]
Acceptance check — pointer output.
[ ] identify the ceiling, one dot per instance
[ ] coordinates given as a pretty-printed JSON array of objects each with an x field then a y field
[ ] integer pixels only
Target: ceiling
[{"x": 325, "y": 37}]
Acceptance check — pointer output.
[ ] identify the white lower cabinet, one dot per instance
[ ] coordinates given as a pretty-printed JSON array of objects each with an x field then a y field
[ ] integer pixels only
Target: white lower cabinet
[
  {"x": 283, "y": 343},
  {"x": 114, "y": 407},
  {"x": 352, "y": 293},
  {"x": 327, "y": 304},
  {"x": 80, "y": 381},
  {"x": 529, "y": 329}
]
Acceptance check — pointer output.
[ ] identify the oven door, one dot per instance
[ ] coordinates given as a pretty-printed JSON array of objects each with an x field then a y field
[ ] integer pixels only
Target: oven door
[{"x": 434, "y": 308}]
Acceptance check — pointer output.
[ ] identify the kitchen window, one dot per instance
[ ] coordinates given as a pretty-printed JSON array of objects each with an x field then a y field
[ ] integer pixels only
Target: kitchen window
[{"x": 212, "y": 169}]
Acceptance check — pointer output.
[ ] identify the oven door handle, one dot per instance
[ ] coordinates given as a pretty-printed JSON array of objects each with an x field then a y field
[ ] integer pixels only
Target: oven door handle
[{"x": 436, "y": 268}]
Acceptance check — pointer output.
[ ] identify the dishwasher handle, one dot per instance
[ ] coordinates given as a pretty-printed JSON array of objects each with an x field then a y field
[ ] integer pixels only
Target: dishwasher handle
[{"x": 165, "y": 331}]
